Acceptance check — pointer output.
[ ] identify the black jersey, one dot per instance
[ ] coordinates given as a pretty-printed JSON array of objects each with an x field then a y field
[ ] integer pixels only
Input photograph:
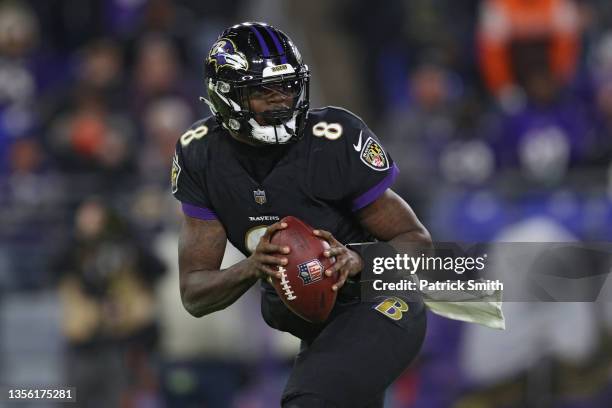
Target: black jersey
[{"x": 336, "y": 168}]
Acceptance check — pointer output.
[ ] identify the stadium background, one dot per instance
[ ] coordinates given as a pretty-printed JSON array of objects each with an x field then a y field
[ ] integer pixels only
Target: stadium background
[{"x": 498, "y": 112}]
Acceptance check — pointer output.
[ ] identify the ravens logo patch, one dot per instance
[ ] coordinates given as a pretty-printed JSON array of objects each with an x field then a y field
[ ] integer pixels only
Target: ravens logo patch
[
  {"x": 174, "y": 174},
  {"x": 374, "y": 156}
]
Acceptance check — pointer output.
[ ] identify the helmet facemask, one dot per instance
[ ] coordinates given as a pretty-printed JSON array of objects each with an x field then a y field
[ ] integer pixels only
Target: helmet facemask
[{"x": 233, "y": 103}]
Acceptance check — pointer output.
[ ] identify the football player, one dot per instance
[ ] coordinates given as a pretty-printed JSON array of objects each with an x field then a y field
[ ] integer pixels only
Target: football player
[{"x": 265, "y": 154}]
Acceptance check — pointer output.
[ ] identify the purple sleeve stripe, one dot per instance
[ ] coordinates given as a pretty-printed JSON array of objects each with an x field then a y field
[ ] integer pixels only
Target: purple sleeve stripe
[
  {"x": 199, "y": 212},
  {"x": 376, "y": 191},
  {"x": 262, "y": 42}
]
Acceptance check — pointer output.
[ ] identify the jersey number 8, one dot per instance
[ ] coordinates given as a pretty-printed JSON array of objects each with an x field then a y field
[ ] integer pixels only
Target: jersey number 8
[
  {"x": 331, "y": 131},
  {"x": 192, "y": 134},
  {"x": 253, "y": 236}
]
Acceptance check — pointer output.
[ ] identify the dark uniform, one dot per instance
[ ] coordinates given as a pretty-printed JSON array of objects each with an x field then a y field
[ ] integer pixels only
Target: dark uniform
[{"x": 335, "y": 169}]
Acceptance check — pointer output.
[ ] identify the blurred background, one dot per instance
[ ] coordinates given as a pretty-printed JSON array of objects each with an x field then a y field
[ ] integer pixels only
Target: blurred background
[{"x": 498, "y": 112}]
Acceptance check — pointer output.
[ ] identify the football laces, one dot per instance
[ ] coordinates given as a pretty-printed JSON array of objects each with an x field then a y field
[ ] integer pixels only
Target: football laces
[{"x": 289, "y": 294}]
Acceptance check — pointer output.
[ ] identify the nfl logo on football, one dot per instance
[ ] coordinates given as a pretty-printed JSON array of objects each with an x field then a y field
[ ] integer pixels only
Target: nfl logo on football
[
  {"x": 260, "y": 196},
  {"x": 311, "y": 271}
]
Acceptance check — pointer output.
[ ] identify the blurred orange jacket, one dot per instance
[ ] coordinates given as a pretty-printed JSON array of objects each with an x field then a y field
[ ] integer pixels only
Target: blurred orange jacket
[{"x": 504, "y": 21}]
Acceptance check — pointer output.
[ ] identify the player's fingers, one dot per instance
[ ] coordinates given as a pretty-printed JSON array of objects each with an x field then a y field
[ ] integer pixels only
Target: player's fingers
[
  {"x": 334, "y": 251},
  {"x": 271, "y": 260},
  {"x": 341, "y": 279},
  {"x": 337, "y": 266},
  {"x": 269, "y": 272},
  {"x": 268, "y": 248},
  {"x": 272, "y": 229},
  {"x": 326, "y": 235}
]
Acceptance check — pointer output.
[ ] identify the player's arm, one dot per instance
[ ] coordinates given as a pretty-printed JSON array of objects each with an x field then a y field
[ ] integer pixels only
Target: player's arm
[
  {"x": 389, "y": 218},
  {"x": 204, "y": 287}
]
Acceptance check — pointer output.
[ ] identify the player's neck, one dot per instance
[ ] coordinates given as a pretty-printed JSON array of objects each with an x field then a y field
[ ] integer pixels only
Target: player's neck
[{"x": 259, "y": 161}]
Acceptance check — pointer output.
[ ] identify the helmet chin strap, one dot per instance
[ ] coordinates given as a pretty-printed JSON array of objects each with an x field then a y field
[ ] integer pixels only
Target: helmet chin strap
[
  {"x": 289, "y": 130},
  {"x": 265, "y": 134},
  {"x": 273, "y": 134}
]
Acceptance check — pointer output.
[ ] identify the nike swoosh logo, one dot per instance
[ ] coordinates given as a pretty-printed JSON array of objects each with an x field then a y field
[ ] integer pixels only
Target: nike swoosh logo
[{"x": 358, "y": 145}]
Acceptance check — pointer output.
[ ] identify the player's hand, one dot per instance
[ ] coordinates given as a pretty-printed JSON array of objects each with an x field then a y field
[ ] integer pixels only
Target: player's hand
[
  {"x": 348, "y": 263},
  {"x": 266, "y": 258}
]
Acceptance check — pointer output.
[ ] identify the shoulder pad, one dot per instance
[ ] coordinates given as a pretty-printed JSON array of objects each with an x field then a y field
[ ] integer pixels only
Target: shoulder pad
[
  {"x": 199, "y": 131},
  {"x": 335, "y": 114},
  {"x": 332, "y": 123}
]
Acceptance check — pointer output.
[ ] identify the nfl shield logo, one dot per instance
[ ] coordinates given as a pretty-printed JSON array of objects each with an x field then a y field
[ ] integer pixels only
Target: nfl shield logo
[
  {"x": 260, "y": 196},
  {"x": 311, "y": 271}
]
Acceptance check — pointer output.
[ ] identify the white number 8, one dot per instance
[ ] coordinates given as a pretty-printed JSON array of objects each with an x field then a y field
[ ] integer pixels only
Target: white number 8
[
  {"x": 196, "y": 133},
  {"x": 331, "y": 131},
  {"x": 253, "y": 235}
]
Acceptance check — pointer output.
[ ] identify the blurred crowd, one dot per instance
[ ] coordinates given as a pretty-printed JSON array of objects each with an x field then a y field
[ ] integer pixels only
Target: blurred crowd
[{"x": 498, "y": 113}]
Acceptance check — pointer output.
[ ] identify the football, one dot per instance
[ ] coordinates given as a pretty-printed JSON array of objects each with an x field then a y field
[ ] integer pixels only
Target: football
[{"x": 303, "y": 286}]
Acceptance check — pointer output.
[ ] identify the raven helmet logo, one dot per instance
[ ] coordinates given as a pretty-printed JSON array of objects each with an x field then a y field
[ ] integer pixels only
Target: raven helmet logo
[
  {"x": 175, "y": 173},
  {"x": 373, "y": 155},
  {"x": 259, "y": 196},
  {"x": 224, "y": 54},
  {"x": 311, "y": 271}
]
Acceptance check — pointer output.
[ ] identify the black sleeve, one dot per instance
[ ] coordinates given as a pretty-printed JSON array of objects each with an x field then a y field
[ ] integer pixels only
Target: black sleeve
[
  {"x": 354, "y": 168},
  {"x": 187, "y": 182}
]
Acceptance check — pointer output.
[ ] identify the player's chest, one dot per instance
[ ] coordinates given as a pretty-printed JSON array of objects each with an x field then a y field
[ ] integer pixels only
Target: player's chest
[
  {"x": 234, "y": 189},
  {"x": 246, "y": 207}
]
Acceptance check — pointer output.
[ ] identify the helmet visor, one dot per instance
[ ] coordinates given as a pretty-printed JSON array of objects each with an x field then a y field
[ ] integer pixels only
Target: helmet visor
[
  {"x": 285, "y": 89},
  {"x": 273, "y": 103}
]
